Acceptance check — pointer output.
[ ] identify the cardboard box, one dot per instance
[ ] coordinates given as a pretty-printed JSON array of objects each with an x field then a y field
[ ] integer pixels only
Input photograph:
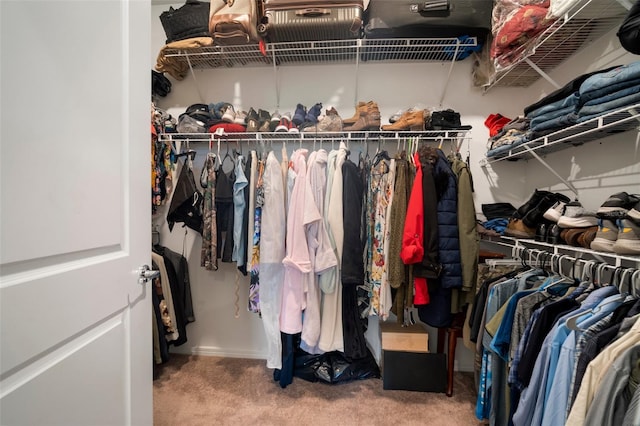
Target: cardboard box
[
  {"x": 406, "y": 361},
  {"x": 395, "y": 337}
]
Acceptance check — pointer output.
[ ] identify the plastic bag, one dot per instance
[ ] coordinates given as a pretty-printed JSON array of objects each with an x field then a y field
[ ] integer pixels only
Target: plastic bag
[{"x": 334, "y": 367}]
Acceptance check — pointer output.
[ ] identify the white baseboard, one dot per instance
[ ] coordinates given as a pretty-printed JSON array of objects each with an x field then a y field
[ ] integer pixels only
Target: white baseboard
[{"x": 221, "y": 352}]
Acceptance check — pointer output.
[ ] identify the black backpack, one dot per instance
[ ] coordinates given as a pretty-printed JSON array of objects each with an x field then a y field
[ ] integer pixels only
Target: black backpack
[{"x": 629, "y": 32}]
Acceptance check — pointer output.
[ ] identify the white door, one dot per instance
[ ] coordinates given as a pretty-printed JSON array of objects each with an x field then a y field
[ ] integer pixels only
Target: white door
[{"x": 75, "y": 324}]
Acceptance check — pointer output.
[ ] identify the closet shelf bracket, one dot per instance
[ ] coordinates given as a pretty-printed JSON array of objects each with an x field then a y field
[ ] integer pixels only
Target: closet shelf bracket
[
  {"x": 551, "y": 169},
  {"x": 451, "y": 64},
  {"x": 193, "y": 75},
  {"x": 542, "y": 73}
]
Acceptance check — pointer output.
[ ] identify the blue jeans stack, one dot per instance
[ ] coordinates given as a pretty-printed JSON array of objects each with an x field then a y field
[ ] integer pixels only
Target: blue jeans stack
[{"x": 609, "y": 91}]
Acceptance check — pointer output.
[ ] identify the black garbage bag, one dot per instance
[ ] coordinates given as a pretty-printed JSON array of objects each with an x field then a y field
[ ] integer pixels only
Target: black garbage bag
[{"x": 334, "y": 367}]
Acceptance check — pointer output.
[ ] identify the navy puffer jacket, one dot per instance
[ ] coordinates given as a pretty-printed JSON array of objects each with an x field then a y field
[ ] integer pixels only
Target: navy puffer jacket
[{"x": 438, "y": 312}]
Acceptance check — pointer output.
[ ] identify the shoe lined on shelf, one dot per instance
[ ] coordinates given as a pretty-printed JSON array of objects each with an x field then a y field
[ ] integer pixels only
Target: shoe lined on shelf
[
  {"x": 241, "y": 118},
  {"x": 330, "y": 123},
  {"x": 275, "y": 121},
  {"x": 313, "y": 114},
  {"x": 299, "y": 115},
  {"x": 606, "y": 235},
  {"x": 361, "y": 107},
  {"x": 252, "y": 121},
  {"x": 228, "y": 114},
  {"x": 369, "y": 119},
  {"x": 634, "y": 212},
  {"x": 533, "y": 201},
  {"x": 554, "y": 212},
  {"x": 628, "y": 241},
  {"x": 410, "y": 120},
  {"x": 516, "y": 228},
  {"x": 576, "y": 216},
  {"x": 536, "y": 215},
  {"x": 264, "y": 120},
  {"x": 617, "y": 205}
]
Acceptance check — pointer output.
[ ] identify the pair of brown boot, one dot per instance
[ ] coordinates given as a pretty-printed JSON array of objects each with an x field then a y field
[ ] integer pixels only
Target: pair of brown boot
[
  {"x": 409, "y": 120},
  {"x": 366, "y": 117}
]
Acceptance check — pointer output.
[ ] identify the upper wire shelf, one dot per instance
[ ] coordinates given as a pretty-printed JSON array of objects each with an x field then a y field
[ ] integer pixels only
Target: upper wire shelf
[
  {"x": 364, "y": 136},
  {"x": 622, "y": 120},
  {"x": 334, "y": 51},
  {"x": 585, "y": 22}
]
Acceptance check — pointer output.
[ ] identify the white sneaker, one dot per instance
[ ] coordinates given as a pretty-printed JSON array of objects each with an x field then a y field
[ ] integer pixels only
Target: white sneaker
[
  {"x": 229, "y": 114},
  {"x": 555, "y": 212},
  {"x": 241, "y": 118},
  {"x": 575, "y": 216}
]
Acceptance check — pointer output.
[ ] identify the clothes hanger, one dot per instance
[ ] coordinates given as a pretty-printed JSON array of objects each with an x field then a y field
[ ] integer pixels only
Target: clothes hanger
[
  {"x": 572, "y": 321},
  {"x": 628, "y": 288},
  {"x": 228, "y": 156},
  {"x": 635, "y": 284}
]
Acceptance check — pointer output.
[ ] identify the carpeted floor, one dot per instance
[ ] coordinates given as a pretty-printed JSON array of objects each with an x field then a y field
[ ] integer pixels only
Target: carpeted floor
[{"x": 198, "y": 390}]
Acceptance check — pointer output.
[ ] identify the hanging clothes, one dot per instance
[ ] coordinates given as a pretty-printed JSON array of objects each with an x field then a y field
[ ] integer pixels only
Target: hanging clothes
[
  {"x": 533, "y": 398},
  {"x": 239, "y": 206},
  {"x": 438, "y": 312},
  {"x": 413, "y": 235},
  {"x": 272, "y": 251},
  {"x": 180, "y": 293},
  {"x": 331, "y": 334},
  {"x": 352, "y": 266},
  {"x": 256, "y": 219},
  {"x": 380, "y": 191},
  {"x": 397, "y": 271},
  {"x": 164, "y": 288},
  {"x": 251, "y": 262},
  {"x": 245, "y": 246},
  {"x": 386, "y": 301},
  {"x": 209, "y": 252},
  {"x": 186, "y": 203},
  {"x": 467, "y": 234},
  {"x": 161, "y": 168},
  {"x": 596, "y": 371},
  {"x": 320, "y": 253},
  {"x": 364, "y": 290},
  {"x": 224, "y": 210},
  {"x": 297, "y": 263}
]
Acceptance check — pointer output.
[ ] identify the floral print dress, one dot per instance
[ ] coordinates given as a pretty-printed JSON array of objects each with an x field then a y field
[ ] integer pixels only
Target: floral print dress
[
  {"x": 254, "y": 285},
  {"x": 209, "y": 254}
]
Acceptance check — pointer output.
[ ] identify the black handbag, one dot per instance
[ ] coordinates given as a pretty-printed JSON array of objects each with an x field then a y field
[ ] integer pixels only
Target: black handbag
[{"x": 188, "y": 21}]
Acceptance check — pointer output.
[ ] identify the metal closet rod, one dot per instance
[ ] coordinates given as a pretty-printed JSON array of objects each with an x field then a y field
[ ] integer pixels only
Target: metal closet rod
[{"x": 369, "y": 136}]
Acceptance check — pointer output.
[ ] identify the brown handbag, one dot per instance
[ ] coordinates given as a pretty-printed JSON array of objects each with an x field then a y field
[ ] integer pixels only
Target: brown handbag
[{"x": 233, "y": 22}]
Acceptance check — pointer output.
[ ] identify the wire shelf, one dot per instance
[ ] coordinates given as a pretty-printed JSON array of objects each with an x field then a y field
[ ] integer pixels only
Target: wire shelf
[
  {"x": 622, "y": 120},
  {"x": 333, "y": 51},
  {"x": 584, "y": 23},
  {"x": 365, "y": 136}
]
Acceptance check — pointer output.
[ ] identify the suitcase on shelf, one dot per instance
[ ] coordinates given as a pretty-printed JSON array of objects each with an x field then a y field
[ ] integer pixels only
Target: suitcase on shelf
[
  {"x": 311, "y": 20},
  {"x": 428, "y": 18}
]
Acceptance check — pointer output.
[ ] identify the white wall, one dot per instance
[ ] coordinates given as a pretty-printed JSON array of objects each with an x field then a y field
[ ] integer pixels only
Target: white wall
[{"x": 393, "y": 87}]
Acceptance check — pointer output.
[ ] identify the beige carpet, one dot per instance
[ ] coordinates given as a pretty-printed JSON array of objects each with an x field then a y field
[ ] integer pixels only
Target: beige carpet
[{"x": 197, "y": 390}]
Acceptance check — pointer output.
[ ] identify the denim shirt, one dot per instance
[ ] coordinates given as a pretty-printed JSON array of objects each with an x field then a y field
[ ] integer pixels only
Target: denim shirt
[{"x": 239, "y": 205}]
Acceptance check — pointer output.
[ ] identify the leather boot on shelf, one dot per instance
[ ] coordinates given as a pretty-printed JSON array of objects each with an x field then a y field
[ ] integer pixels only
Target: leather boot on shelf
[
  {"x": 366, "y": 121},
  {"x": 360, "y": 108},
  {"x": 410, "y": 120},
  {"x": 330, "y": 123}
]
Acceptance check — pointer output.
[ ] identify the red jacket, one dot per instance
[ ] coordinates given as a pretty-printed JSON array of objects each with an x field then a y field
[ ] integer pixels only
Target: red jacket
[{"x": 413, "y": 234}]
